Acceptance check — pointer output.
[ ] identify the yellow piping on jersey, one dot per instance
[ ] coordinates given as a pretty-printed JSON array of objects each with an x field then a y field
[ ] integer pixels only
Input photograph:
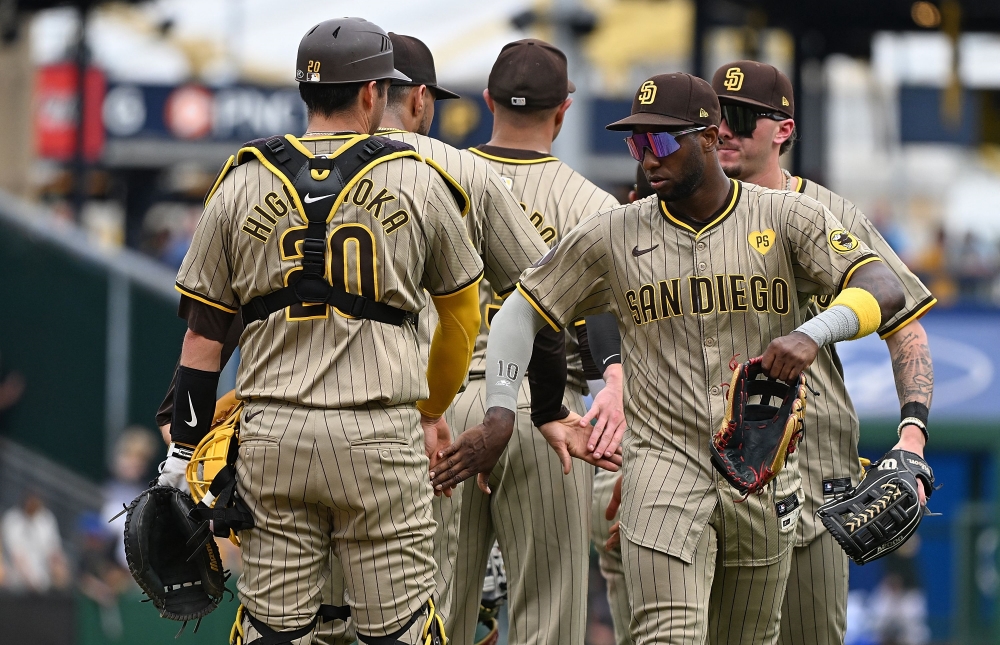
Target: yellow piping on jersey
[
  {"x": 912, "y": 317},
  {"x": 456, "y": 188},
  {"x": 218, "y": 180},
  {"x": 194, "y": 296},
  {"x": 382, "y": 131},
  {"x": 513, "y": 161},
  {"x": 538, "y": 308},
  {"x": 850, "y": 272},
  {"x": 801, "y": 183},
  {"x": 725, "y": 213}
]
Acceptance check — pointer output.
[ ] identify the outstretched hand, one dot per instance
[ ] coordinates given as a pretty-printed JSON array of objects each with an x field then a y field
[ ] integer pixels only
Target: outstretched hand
[
  {"x": 568, "y": 437},
  {"x": 608, "y": 410},
  {"x": 437, "y": 437},
  {"x": 475, "y": 452}
]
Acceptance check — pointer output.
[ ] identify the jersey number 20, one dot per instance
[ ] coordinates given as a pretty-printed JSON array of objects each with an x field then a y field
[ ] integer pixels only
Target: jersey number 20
[{"x": 353, "y": 260}]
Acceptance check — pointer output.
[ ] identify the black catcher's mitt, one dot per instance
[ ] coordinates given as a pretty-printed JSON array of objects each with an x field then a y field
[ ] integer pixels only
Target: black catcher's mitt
[
  {"x": 884, "y": 510},
  {"x": 169, "y": 556},
  {"x": 755, "y": 437}
]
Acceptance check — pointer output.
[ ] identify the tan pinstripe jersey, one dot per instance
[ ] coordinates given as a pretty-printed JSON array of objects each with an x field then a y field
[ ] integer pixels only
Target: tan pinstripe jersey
[
  {"x": 555, "y": 197},
  {"x": 503, "y": 235},
  {"x": 397, "y": 231},
  {"x": 688, "y": 303},
  {"x": 830, "y": 449}
]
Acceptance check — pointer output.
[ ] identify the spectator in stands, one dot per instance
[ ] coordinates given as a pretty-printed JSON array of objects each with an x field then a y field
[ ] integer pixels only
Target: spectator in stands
[
  {"x": 131, "y": 470},
  {"x": 975, "y": 264},
  {"x": 898, "y": 606},
  {"x": 101, "y": 578},
  {"x": 932, "y": 266},
  {"x": 33, "y": 546}
]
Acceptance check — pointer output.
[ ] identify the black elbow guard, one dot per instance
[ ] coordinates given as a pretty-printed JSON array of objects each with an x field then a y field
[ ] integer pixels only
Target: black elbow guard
[{"x": 194, "y": 405}]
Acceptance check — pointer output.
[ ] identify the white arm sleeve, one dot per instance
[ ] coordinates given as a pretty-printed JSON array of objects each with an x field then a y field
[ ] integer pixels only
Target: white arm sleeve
[{"x": 512, "y": 334}]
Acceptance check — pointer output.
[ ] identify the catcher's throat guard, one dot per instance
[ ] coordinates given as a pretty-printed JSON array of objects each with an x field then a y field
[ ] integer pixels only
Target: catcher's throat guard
[
  {"x": 878, "y": 516},
  {"x": 211, "y": 473},
  {"x": 756, "y": 436}
]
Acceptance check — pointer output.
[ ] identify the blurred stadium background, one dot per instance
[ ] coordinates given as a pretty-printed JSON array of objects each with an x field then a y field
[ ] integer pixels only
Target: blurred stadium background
[{"x": 899, "y": 111}]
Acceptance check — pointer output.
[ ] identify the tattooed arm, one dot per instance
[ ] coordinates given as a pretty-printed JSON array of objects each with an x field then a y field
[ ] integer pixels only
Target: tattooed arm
[{"x": 914, "y": 373}]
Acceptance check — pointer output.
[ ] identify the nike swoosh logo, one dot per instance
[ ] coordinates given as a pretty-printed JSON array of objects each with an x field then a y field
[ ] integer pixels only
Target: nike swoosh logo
[
  {"x": 251, "y": 415},
  {"x": 194, "y": 417},
  {"x": 309, "y": 200},
  {"x": 636, "y": 252}
]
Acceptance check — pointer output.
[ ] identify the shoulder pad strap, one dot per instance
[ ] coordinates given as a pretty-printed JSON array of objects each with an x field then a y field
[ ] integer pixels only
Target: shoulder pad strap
[{"x": 462, "y": 197}]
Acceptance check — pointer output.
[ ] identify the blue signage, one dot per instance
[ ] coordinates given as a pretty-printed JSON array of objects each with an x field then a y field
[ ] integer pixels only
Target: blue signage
[{"x": 966, "y": 368}]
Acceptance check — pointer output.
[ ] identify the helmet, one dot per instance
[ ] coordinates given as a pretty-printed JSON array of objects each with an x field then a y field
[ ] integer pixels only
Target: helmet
[{"x": 345, "y": 50}]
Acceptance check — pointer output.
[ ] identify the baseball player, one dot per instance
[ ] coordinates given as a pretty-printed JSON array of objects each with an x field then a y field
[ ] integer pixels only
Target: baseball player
[
  {"x": 507, "y": 242},
  {"x": 708, "y": 270},
  {"x": 326, "y": 244},
  {"x": 757, "y": 126},
  {"x": 609, "y": 554},
  {"x": 531, "y": 501}
]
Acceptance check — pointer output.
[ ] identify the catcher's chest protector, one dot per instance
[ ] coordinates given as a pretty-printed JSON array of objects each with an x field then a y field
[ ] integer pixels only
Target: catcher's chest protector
[{"x": 762, "y": 426}]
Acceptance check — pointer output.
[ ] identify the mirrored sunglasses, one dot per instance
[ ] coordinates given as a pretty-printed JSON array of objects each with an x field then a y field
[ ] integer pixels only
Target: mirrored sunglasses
[{"x": 660, "y": 144}]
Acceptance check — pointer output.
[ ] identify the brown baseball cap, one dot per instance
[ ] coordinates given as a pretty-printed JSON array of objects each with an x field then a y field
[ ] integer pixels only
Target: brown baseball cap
[
  {"x": 530, "y": 74},
  {"x": 413, "y": 58},
  {"x": 753, "y": 83},
  {"x": 672, "y": 101}
]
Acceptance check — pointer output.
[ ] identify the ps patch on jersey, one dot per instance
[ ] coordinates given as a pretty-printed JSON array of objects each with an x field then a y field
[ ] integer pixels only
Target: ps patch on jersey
[
  {"x": 762, "y": 241},
  {"x": 842, "y": 241}
]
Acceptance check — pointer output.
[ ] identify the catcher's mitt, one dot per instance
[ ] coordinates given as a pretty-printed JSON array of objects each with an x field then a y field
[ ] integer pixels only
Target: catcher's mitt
[
  {"x": 879, "y": 515},
  {"x": 183, "y": 582},
  {"x": 756, "y": 436}
]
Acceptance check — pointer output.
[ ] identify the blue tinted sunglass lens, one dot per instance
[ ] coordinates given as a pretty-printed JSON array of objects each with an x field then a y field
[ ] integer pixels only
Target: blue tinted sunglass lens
[
  {"x": 663, "y": 143},
  {"x": 660, "y": 144}
]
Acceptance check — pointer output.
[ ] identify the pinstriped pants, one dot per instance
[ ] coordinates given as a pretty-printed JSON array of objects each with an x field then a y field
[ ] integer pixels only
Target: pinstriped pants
[
  {"x": 351, "y": 482},
  {"x": 446, "y": 517},
  {"x": 541, "y": 518},
  {"x": 815, "y": 607},
  {"x": 677, "y": 603},
  {"x": 611, "y": 561}
]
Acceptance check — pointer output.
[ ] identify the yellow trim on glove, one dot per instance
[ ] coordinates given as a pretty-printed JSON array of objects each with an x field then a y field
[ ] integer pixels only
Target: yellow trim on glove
[
  {"x": 865, "y": 307},
  {"x": 451, "y": 348}
]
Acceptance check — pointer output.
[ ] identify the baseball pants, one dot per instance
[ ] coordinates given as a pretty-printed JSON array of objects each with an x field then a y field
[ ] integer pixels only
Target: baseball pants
[
  {"x": 704, "y": 601},
  {"x": 349, "y": 482},
  {"x": 541, "y": 518},
  {"x": 815, "y": 606},
  {"x": 612, "y": 568},
  {"x": 446, "y": 516}
]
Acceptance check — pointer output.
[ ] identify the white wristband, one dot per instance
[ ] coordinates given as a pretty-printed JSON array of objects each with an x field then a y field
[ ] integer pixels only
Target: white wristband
[{"x": 911, "y": 421}]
